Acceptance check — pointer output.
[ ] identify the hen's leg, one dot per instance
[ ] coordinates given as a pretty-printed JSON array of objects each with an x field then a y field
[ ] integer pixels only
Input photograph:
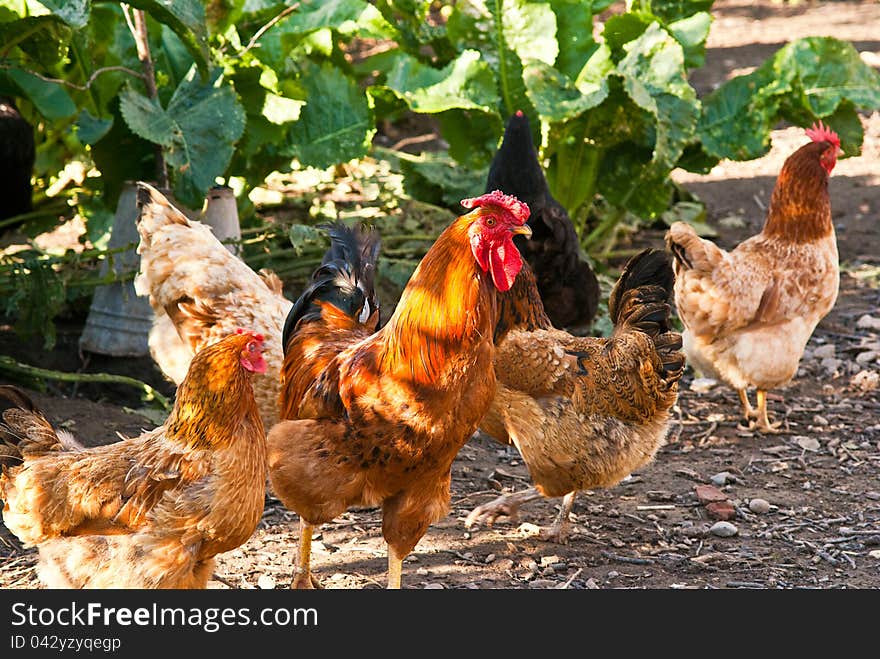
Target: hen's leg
[
  {"x": 763, "y": 424},
  {"x": 558, "y": 532},
  {"x": 395, "y": 568},
  {"x": 506, "y": 505},
  {"x": 748, "y": 411},
  {"x": 304, "y": 579}
]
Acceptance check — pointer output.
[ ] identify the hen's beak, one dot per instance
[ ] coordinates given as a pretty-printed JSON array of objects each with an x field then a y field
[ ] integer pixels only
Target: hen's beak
[{"x": 523, "y": 229}]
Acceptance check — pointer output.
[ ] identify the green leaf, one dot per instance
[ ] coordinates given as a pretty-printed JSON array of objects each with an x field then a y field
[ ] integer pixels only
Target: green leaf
[
  {"x": 336, "y": 123},
  {"x": 622, "y": 29},
  {"x": 670, "y": 11},
  {"x": 690, "y": 212},
  {"x": 44, "y": 39},
  {"x": 438, "y": 179},
  {"x": 691, "y": 33},
  {"x": 574, "y": 35},
  {"x": 49, "y": 98},
  {"x": 556, "y": 97},
  {"x": 90, "y": 129},
  {"x": 655, "y": 78},
  {"x": 197, "y": 131},
  {"x": 806, "y": 80},
  {"x": 472, "y": 136},
  {"x": 303, "y": 237},
  {"x": 355, "y": 17},
  {"x": 73, "y": 12},
  {"x": 466, "y": 83},
  {"x": 506, "y": 33},
  {"x": 187, "y": 19}
]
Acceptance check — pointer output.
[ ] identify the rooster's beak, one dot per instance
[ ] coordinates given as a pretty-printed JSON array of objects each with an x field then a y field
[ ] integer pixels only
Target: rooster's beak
[{"x": 523, "y": 229}]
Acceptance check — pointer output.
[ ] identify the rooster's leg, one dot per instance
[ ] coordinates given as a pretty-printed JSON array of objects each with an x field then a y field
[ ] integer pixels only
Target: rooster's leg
[
  {"x": 748, "y": 411},
  {"x": 304, "y": 578},
  {"x": 558, "y": 532},
  {"x": 395, "y": 567},
  {"x": 504, "y": 505},
  {"x": 763, "y": 424}
]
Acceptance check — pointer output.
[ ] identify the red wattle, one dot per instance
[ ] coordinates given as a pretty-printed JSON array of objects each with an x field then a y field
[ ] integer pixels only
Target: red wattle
[{"x": 505, "y": 263}]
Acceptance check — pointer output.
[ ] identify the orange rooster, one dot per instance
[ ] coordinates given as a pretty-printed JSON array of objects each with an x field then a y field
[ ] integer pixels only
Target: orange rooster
[
  {"x": 200, "y": 292},
  {"x": 749, "y": 313},
  {"x": 584, "y": 412},
  {"x": 380, "y": 416},
  {"x": 154, "y": 510}
]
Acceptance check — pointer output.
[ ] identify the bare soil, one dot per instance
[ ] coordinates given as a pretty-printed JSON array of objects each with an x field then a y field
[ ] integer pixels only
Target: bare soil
[{"x": 820, "y": 475}]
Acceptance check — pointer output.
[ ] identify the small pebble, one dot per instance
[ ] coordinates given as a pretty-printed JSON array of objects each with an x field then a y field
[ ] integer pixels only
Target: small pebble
[
  {"x": 867, "y": 357},
  {"x": 542, "y": 583},
  {"x": 722, "y": 478},
  {"x": 613, "y": 574},
  {"x": 874, "y": 553},
  {"x": 591, "y": 584},
  {"x": 831, "y": 364},
  {"x": 808, "y": 443},
  {"x": 490, "y": 558},
  {"x": 723, "y": 529},
  {"x": 266, "y": 582},
  {"x": 759, "y": 506},
  {"x": 823, "y": 352},
  {"x": 549, "y": 560},
  {"x": 819, "y": 420},
  {"x": 422, "y": 572},
  {"x": 434, "y": 586},
  {"x": 868, "y": 322}
]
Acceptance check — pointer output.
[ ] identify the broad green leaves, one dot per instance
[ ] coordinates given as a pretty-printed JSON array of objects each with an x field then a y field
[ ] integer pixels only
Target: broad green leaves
[
  {"x": 809, "y": 79},
  {"x": 336, "y": 124},
  {"x": 197, "y": 131},
  {"x": 73, "y": 12}
]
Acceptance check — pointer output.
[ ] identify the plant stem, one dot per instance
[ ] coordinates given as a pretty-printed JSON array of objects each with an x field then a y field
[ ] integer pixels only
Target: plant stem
[
  {"x": 142, "y": 42},
  {"x": 609, "y": 222},
  {"x": 10, "y": 365}
]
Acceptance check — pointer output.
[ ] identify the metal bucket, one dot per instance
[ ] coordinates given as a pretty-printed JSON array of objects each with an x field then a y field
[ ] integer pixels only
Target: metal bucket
[
  {"x": 221, "y": 214},
  {"x": 119, "y": 321}
]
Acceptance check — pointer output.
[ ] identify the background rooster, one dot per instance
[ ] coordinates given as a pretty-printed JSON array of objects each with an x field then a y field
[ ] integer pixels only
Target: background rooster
[
  {"x": 584, "y": 412},
  {"x": 568, "y": 287},
  {"x": 152, "y": 511},
  {"x": 381, "y": 416},
  {"x": 749, "y": 313}
]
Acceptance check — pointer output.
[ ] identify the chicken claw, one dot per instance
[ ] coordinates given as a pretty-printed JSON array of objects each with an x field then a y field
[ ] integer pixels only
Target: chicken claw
[
  {"x": 506, "y": 505},
  {"x": 301, "y": 582}
]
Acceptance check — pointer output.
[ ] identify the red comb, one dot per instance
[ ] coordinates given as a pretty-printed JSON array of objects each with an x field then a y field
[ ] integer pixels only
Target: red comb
[
  {"x": 257, "y": 336},
  {"x": 819, "y": 132},
  {"x": 511, "y": 204},
  {"x": 519, "y": 113}
]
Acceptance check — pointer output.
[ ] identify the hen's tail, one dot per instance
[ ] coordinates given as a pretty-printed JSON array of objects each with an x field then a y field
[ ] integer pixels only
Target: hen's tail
[
  {"x": 690, "y": 251},
  {"x": 25, "y": 432},
  {"x": 344, "y": 280},
  {"x": 640, "y": 301}
]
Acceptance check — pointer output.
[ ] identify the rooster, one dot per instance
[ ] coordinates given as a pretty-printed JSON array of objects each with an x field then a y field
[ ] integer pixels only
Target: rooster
[
  {"x": 377, "y": 417},
  {"x": 568, "y": 287},
  {"x": 154, "y": 510},
  {"x": 583, "y": 412},
  {"x": 749, "y": 313},
  {"x": 200, "y": 292}
]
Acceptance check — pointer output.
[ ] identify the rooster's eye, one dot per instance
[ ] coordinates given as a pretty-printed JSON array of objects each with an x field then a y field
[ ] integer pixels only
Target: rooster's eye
[
  {"x": 490, "y": 222},
  {"x": 252, "y": 346}
]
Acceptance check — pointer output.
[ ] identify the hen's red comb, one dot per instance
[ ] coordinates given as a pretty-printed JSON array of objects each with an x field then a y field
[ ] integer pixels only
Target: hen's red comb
[
  {"x": 256, "y": 335},
  {"x": 511, "y": 204},
  {"x": 819, "y": 132}
]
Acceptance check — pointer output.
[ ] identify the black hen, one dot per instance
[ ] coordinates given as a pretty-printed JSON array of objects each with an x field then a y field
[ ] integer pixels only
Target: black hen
[
  {"x": 567, "y": 285},
  {"x": 345, "y": 278},
  {"x": 17, "y": 155}
]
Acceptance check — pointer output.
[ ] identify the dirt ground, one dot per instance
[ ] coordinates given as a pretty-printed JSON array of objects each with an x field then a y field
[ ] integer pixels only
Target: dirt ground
[{"x": 820, "y": 477}]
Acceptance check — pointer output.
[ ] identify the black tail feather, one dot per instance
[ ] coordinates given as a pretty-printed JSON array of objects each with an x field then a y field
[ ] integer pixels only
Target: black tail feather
[
  {"x": 650, "y": 274},
  {"x": 345, "y": 278}
]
